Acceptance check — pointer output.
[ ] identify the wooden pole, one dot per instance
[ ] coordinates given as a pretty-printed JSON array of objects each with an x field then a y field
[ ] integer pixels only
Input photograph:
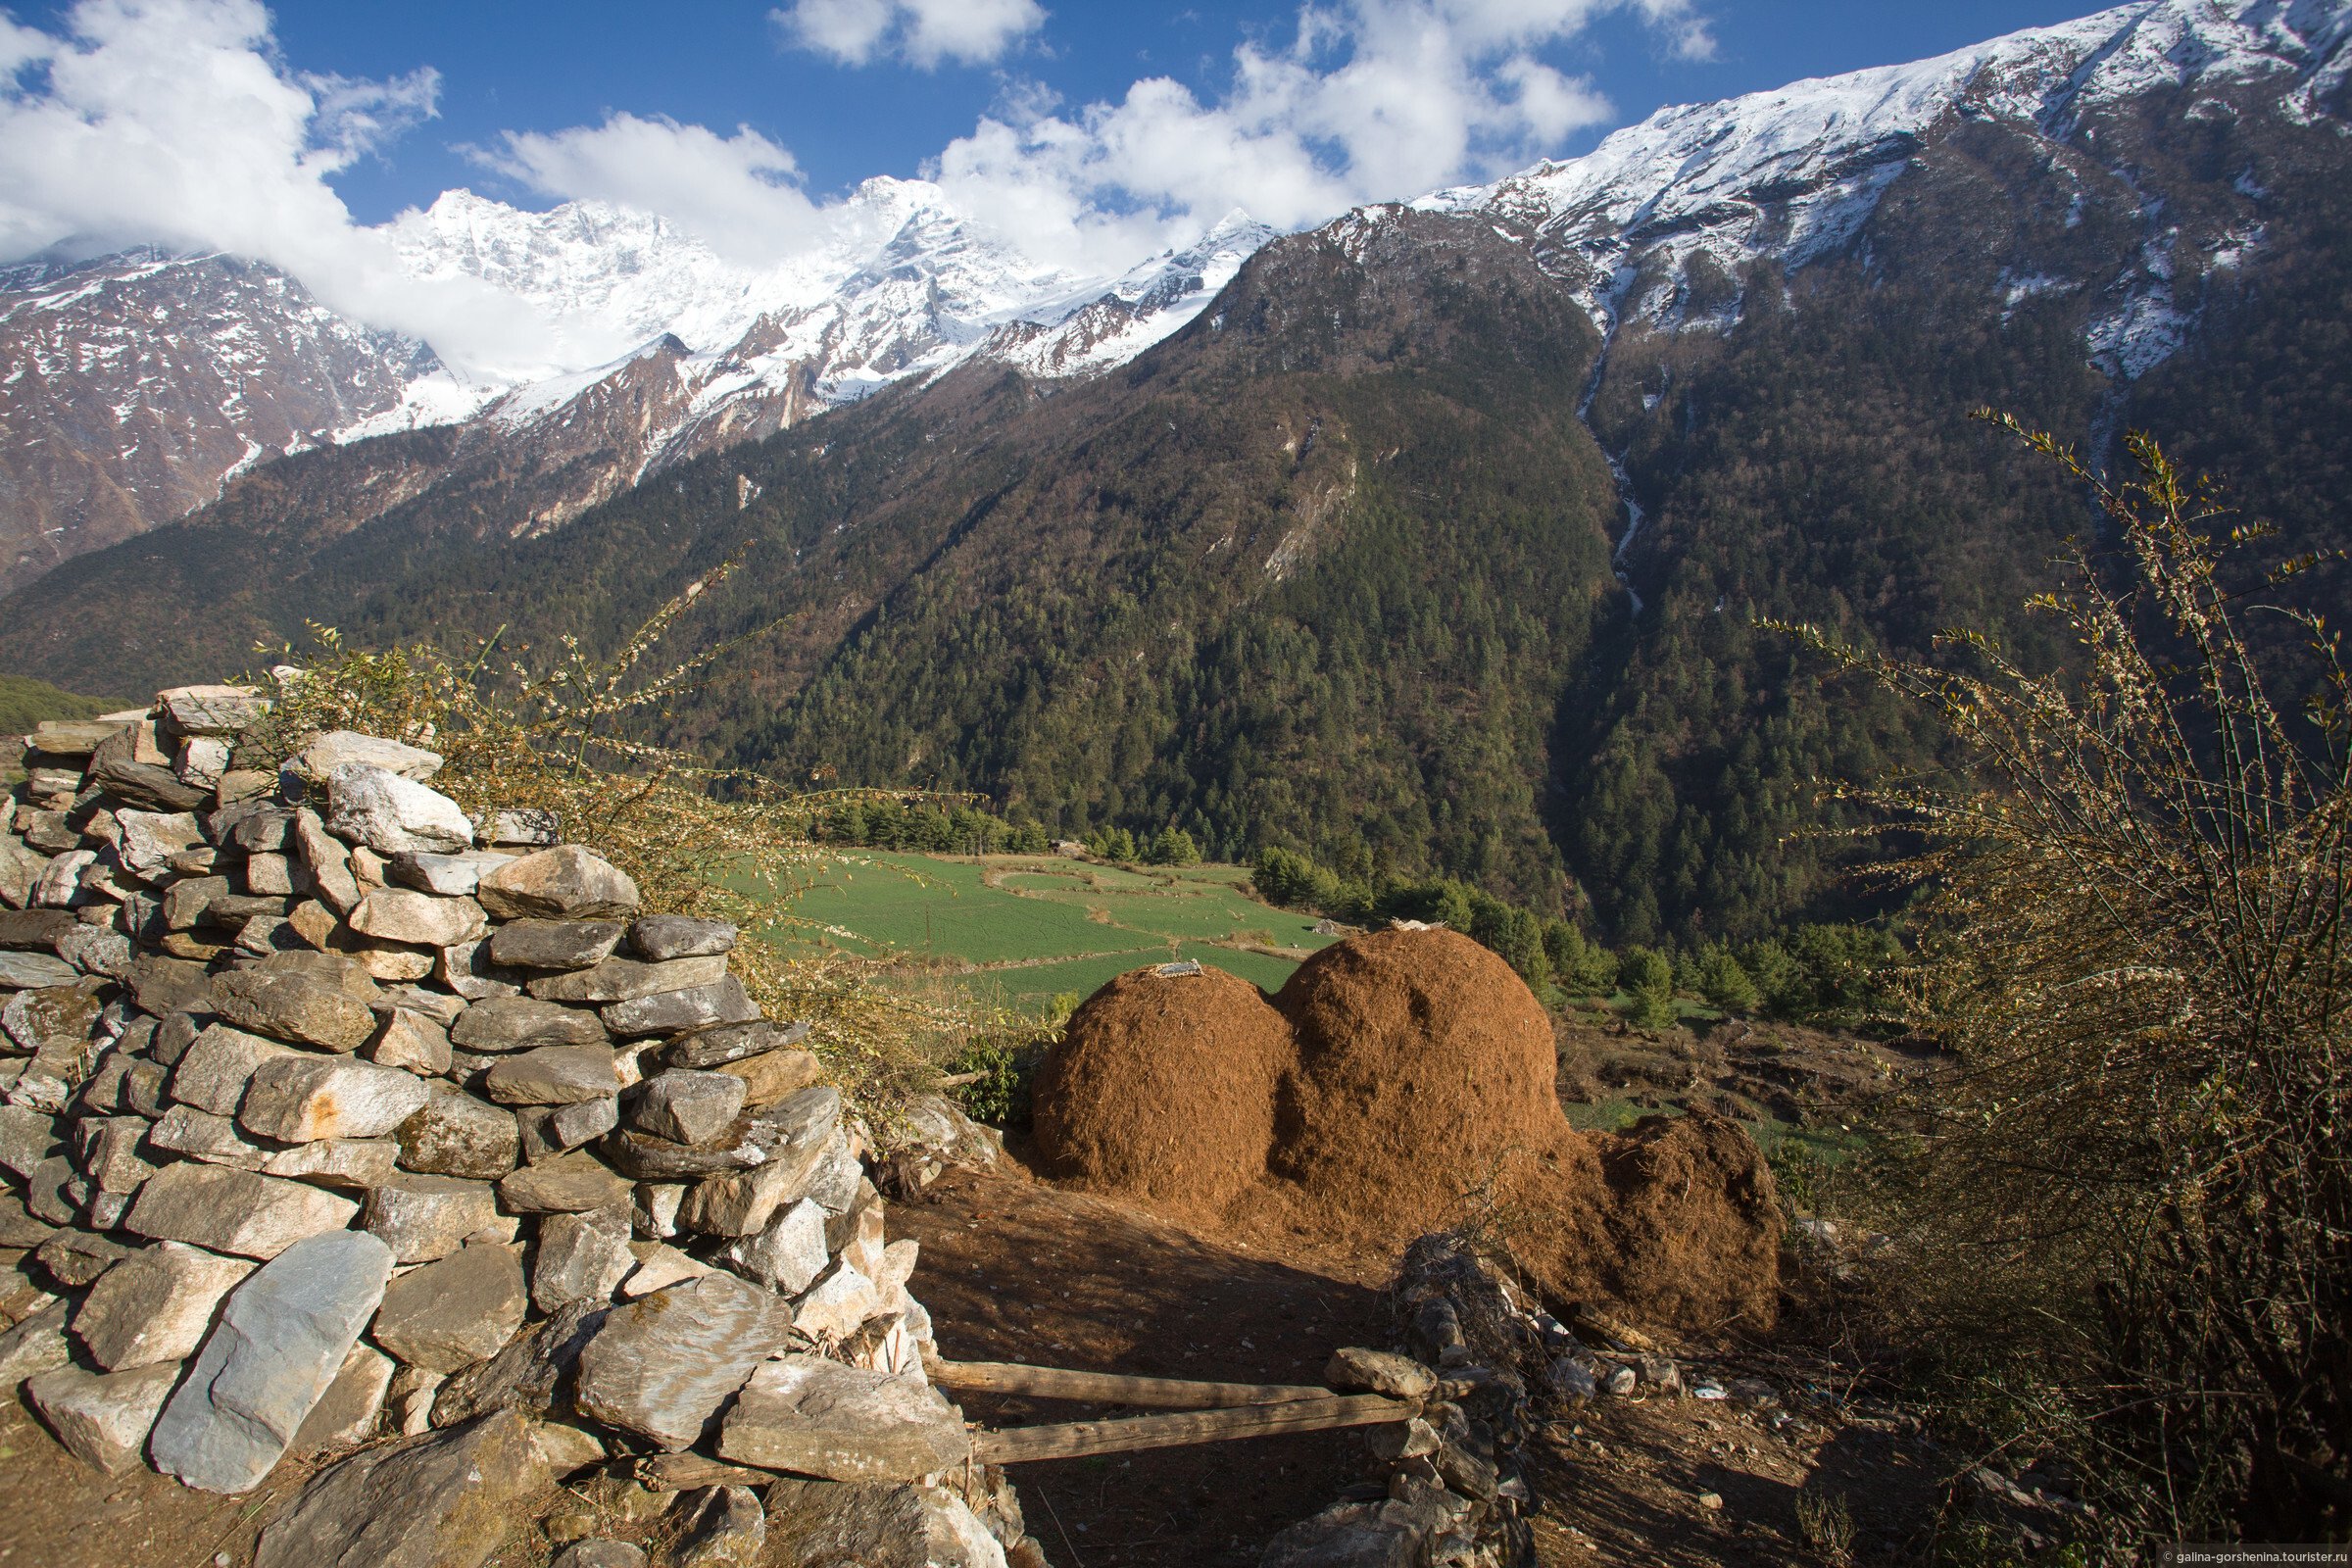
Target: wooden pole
[
  {"x": 1111, "y": 1387},
  {"x": 1079, "y": 1438}
]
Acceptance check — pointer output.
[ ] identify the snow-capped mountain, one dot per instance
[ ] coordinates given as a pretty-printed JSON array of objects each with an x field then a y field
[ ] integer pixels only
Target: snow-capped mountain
[
  {"x": 1793, "y": 175},
  {"x": 130, "y": 386}
]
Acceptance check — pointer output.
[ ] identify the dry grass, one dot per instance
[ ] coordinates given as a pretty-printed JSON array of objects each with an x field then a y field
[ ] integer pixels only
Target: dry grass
[{"x": 2133, "y": 1204}]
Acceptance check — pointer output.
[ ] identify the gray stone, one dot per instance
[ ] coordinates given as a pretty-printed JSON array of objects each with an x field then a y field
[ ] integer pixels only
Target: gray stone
[
  {"x": 54, "y": 1191},
  {"x": 452, "y": 1313},
  {"x": 656, "y": 938},
  {"x": 837, "y": 1305},
  {"x": 654, "y": 1208},
  {"x": 628, "y": 980},
  {"x": 1354, "y": 1369},
  {"x": 422, "y": 919},
  {"x": 342, "y": 747},
  {"x": 732, "y": 1041},
  {"x": 685, "y": 1107},
  {"x": 552, "y": 1075},
  {"x": 1620, "y": 1381},
  {"x": 36, "y": 930},
  {"x": 68, "y": 738},
  {"x": 196, "y": 1134},
  {"x": 438, "y": 1006},
  {"x": 210, "y": 710},
  {"x": 155, "y": 1306},
  {"x": 151, "y": 838},
  {"x": 449, "y": 875},
  {"x": 188, "y": 902},
  {"x": 279, "y": 1343},
  {"x": 787, "y": 1255},
  {"x": 102, "y": 1418},
  {"x": 834, "y": 1182},
  {"x": 348, "y": 1411},
  {"x": 202, "y": 760},
  {"x": 301, "y": 1099},
  {"x": 21, "y": 871},
  {"x": 257, "y": 829},
  {"x": 555, "y": 944},
  {"x": 325, "y": 864},
  {"x": 467, "y": 969},
  {"x": 286, "y": 1004},
  {"x": 802, "y": 1131},
  {"x": 60, "y": 883},
  {"x": 25, "y": 971},
  {"x": 75, "y": 1258},
  {"x": 390, "y": 814},
  {"x": 660, "y": 1266},
  {"x": 519, "y": 1024},
  {"x": 568, "y": 883},
  {"x": 94, "y": 949},
  {"x": 832, "y": 1524},
  {"x": 526, "y": 1375},
  {"x": 566, "y": 1449},
  {"x": 569, "y": 1184},
  {"x": 581, "y": 1257},
  {"x": 601, "y": 1552},
  {"x": 216, "y": 1072},
  {"x": 662, "y": 1367},
  {"x": 426, "y": 1217},
  {"x": 569, "y": 1126},
  {"x": 529, "y": 828},
  {"x": 353, "y": 1164},
  {"x": 815, "y": 1417},
  {"x": 144, "y": 1091},
  {"x": 458, "y": 1135},
  {"x": 115, "y": 768},
  {"x": 725, "y": 1529},
  {"x": 669, "y": 1013},
  {"x": 54, "y": 1021},
  {"x": 410, "y": 1041},
  {"x": 21, "y": 1229},
  {"x": 223, "y": 1209},
  {"x": 26, "y": 1137},
  {"x": 36, "y": 1344},
  {"x": 445, "y": 1499}
]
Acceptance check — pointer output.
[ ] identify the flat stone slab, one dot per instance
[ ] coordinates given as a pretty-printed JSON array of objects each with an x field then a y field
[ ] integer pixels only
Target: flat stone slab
[
  {"x": 102, "y": 1418},
  {"x": 787, "y": 1254},
  {"x": 581, "y": 1257},
  {"x": 815, "y": 1417},
  {"x": 658, "y": 937},
  {"x": 445, "y": 1499},
  {"x": 448, "y": 1315},
  {"x": 567, "y": 883},
  {"x": 389, "y": 814},
  {"x": 683, "y": 1105},
  {"x": 662, "y": 1367},
  {"x": 223, "y": 1209},
  {"x": 454, "y": 1134},
  {"x": 628, "y": 979},
  {"x": 285, "y": 1004},
  {"x": 828, "y": 1524},
  {"x": 731, "y": 1041},
  {"x": 669, "y": 1013},
  {"x": 215, "y": 1072},
  {"x": 279, "y": 1343},
  {"x": 426, "y": 1217},
  {"x": 301, "y": 1099},
  {"x": 569, "y": 1184},
  {"x": 155, "y": 1306},
  {"x": 552, "y": 1075},
  {"x": 402, "y": 914},
  {"x": 322, "y": 756},
  {"x": 555, "y": 944},
  {"x": 521, "y": 1023}
]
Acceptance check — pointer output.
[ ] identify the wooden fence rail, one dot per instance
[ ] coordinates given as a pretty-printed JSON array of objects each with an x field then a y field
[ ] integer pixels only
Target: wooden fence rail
[
  {"x": 1111, "y": 1387},
  {"x": 1079, "y": 1438}
]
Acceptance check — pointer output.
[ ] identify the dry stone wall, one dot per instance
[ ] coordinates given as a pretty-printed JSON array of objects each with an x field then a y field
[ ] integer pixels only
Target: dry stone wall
[{"x": 336, "y": 1121}]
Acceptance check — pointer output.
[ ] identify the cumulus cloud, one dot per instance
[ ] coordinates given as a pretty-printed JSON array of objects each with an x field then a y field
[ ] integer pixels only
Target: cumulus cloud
[
  {"x": 173, "y": 123},
  {"x": 1367, "y": 100},
  {"x": 921, "y": 32},
  {"x": 741, "y": 194}
]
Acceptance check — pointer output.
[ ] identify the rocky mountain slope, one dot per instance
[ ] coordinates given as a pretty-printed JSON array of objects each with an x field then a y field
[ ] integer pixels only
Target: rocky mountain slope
[{"x": 1331, "y": 564}]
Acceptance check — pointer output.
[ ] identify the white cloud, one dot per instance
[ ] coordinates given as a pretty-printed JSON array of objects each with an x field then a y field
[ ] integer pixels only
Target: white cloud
[
  {"x": 922, "y": 32},
  {"x": 739, "y": 193},
  {"x": 1368, "y": 100},
  {"x": 173, "y": 123}
]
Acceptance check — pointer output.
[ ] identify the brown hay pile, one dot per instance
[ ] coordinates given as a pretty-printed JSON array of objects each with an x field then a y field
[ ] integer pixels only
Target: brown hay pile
[
  {"x": 1162, "y": 1089},
  {"x": 1403, "y": 1082}
]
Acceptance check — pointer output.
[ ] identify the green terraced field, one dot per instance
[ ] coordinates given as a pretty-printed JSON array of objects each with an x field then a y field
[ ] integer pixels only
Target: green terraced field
[{"x": 1035, "y": 926}]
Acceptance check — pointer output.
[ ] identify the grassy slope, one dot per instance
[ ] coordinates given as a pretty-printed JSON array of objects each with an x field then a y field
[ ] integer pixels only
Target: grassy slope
[{"x": 1037, "y": 927}]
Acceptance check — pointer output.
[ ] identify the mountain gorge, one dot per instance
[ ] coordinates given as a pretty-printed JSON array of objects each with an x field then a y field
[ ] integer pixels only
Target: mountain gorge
[{"x": 1433, "y": 539}]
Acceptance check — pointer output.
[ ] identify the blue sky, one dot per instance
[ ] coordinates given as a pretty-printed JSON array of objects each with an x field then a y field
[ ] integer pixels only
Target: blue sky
[{"x": 512, "y": 65}]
